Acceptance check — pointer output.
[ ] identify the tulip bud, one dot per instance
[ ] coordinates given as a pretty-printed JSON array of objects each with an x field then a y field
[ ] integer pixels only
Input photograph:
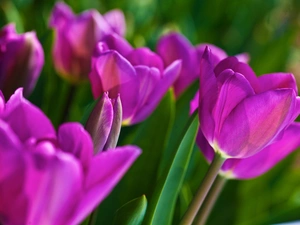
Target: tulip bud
[
  {"x": 113, "y": 137},
  {"x": 104, "y": 123},
  {"x": 76, "y": 37},
  {"x": 100, "y": 122},
  {"x": 21, "y": 60}
]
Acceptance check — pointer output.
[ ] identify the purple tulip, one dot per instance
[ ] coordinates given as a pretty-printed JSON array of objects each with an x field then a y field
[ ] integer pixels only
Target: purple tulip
[
  {"x": 21, "y": 60},
  {"x": 49, "y": 178},
  {"x": 77, "y": 36},
  {"x": 138, "y": 75},
  {"x": 175, "y": 46},
  {"x": 240, "y": 114},
  {"x": 262, "y": 161}
]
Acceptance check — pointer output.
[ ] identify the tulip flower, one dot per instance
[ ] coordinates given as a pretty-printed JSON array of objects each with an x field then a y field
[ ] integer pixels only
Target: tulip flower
[
  {"x": 175, "y": 46},
  {"x": 138, "y": 76},
  {"x": 241, "y": 114},
  {"x": 48, "y": 177},
  {"x": 77, "y": 36},
  {"x": 21, "y": 60}
]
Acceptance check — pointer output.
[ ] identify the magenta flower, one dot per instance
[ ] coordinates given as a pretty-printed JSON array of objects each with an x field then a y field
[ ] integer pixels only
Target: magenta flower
[
  {"x": 262, "y": 161},
  {"x": 239, "y": 113},
  {"x": 175, "y": 46},
  {"x": 21, "y": 60},
  {"x": 76, "y": 38},
  {"x": 138, "y": 75},
  {"x": 49, "y": 178}
]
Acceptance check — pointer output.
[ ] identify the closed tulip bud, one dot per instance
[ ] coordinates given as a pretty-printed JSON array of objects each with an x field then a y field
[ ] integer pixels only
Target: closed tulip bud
[
  {"x": 104, "y": 123},
  {"x": 21, "y": 60},
  {"x": 77, "y": 36}
]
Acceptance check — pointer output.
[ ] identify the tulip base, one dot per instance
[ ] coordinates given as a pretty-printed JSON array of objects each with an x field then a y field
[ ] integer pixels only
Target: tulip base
[{"x": 203, "y": 190}]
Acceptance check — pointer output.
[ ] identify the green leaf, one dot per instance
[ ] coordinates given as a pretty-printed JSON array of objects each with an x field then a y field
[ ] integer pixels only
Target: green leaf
[
  {"x": 132, "y": 213},
  {"x": 161, "y": 207}
]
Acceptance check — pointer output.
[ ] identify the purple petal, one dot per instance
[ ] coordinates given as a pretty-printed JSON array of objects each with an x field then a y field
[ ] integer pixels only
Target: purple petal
[
  {"x": 149, "y": 78},
  {"x": 7, "y": 33},
  {"x": 73, "y": 139},
  {"x": 115, "y": 18},
  {"x": 106, "y": 169},
  {"x": 114, "y": 74},
  {"x": 26, "y": 120},
  {"x": 239, "y": 67},
  {"x": 255, "y": 122},
  {"x": 278, "y": 80},
  {"x": 194, "y": 103},
  {"x": 116, "y": 42},
  {"x": 234, "y": 87},
  {"x": 100, "y": 122},
  {"x": 57, "y": 182},
  {"x": 144, "y": 56},
  {"x": 264, "y": 160},
  {"x": 60, "y": 15},
  {"x": 243, "y": 57},
  {"x": 172, "y": 47},
  {"x": 2, "y": 102},
  {"x": 207, "y": 95},
  {"x": 217, "y": 53},
  {"x": 171, "y": 73},
  {"x": 204, "y": 146}
]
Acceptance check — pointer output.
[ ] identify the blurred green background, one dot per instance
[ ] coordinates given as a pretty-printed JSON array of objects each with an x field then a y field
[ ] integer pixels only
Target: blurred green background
[{"x": 268, "y": 30}]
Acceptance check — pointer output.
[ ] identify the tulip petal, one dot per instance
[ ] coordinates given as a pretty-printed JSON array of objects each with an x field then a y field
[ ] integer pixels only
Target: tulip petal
[
  {"x": 277, "y": 80},
  {"x": 171, "y": 73},
  {"x": 116, "y": 42},
  {"x": 60, "y": 15},
  {"x": 115, "y": 18},
  {"x": 117, "y": 76},
  {"x": 234, "y": 87},
  {"x": 100, "y": 122},
  {"x": 175, "y": 46},
  {"x": 207, "y": 95},
  {"x": 26, "y": 120},
  {"x": 264, "y": 160},
  {"x": 106, "y": 169},
  {"x": 255, "y": 122},
  {"x": 144, "y": 56},
  {"x": 239, "y": 67},
  {"x": 2, "y": 102},
  {"x": 72, "y": 138},
  {"x": 194, "y": 103},
  {"x": 217, "y": 53},
  {"x": 12, "y": 176},
  {"x": 58, "y": 182}
]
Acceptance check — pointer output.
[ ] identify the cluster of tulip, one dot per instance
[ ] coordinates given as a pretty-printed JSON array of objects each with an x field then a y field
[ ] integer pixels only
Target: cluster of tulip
[{"x": 47, "y": 177}]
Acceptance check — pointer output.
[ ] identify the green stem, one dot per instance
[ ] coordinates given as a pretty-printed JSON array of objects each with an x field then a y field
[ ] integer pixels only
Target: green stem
[
  {"x": 68, "y": 103},
  {"x": 209, "y": 202},
  {"x": 203, "y": 190},
  {"x": 93, "y": 217}
]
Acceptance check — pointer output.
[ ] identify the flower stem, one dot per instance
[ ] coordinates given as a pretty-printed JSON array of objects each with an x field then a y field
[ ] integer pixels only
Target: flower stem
[
  {"x": 209, "y": 202},
  {"x": 68, "y": 103},
  {"x": 93, "y": 217},
  {"x": 203, "y": 190}
]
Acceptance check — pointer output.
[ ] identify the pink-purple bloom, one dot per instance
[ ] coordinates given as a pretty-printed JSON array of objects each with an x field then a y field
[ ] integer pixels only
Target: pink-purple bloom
[
  {"x": 21, "y": 60},
  {"x": 262, "y": 161},
  {"x": 48, "y": 177},
  {"x": 175, "y": 46},
  {"x": 138, "y": 75},
  {"x": 240, "y": 114},
  {"x": 76, "y": 37}
]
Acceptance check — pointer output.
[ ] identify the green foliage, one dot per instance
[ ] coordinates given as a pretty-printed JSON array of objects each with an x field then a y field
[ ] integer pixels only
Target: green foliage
[{"x": 132, "y": 213}]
